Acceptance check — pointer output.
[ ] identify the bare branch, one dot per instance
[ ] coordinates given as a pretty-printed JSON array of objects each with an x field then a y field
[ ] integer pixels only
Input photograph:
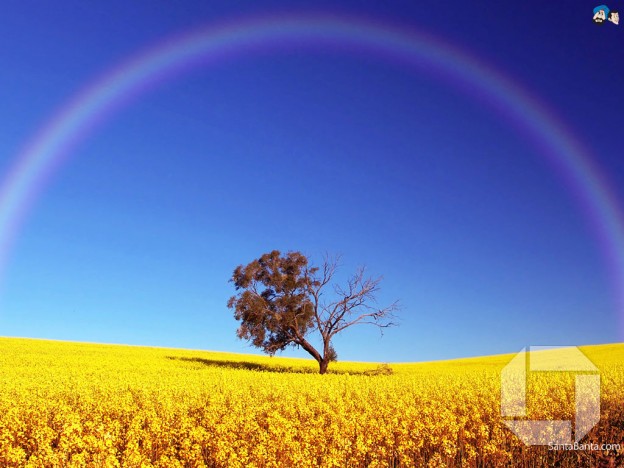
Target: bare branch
[
  {"x": 357, "y": 305},
  {"x": 381, "y": 318}
]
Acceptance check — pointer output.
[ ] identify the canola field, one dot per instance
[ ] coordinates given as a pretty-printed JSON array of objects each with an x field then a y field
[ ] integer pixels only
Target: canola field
[{"x": 87, "y": 405}]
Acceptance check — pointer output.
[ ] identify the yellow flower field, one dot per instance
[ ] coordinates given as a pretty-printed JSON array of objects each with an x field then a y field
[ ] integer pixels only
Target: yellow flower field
[{"x": 72, "y": 405}]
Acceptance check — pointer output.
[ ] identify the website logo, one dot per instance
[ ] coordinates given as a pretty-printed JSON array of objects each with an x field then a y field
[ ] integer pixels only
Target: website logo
[
  {"x": 602, "y": 14},
  {"x": 550, "y": 359}
]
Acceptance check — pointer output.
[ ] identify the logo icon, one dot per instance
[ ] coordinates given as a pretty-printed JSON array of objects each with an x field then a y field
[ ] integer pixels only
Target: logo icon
[
  {"x": 602, "y": 14},
  {"x": 514, "y": 395},
  {"x": 614, "y": 17}
]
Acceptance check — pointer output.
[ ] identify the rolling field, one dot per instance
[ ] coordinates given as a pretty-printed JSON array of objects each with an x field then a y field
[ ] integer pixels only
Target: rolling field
[{"x": 73, "y": 404}]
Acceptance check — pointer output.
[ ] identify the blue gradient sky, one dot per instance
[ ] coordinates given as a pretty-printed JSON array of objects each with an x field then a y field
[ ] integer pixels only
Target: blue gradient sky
[{"x": 134, "y": 238}]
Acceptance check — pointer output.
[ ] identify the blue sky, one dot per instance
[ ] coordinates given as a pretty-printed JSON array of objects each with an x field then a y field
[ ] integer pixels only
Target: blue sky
[{"x": 134, "y": 238}]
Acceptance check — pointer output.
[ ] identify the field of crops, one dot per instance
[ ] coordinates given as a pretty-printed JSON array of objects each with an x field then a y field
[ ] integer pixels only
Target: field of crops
[{"x": 72, "y": 404}]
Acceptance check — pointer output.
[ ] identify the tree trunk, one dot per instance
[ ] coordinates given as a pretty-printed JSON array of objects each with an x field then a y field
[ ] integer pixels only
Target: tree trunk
[
  {"x": 324, "y": 361},
  {"x": 323, "y": 364}
]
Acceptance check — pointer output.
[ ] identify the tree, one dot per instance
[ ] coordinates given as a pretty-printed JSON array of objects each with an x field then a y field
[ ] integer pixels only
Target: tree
[{"x": 281, "y": 301}]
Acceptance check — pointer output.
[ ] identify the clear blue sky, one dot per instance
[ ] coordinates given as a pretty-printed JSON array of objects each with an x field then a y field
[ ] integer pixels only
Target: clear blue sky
[{"x": 134, "y": 238}]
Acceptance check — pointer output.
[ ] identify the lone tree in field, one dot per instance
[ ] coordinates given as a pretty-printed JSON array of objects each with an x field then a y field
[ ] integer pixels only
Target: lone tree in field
[{"x": 281, "y": 300}]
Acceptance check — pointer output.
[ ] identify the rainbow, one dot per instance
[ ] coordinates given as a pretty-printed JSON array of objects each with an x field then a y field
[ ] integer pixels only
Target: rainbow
[{"x": 537, "y": 124}]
